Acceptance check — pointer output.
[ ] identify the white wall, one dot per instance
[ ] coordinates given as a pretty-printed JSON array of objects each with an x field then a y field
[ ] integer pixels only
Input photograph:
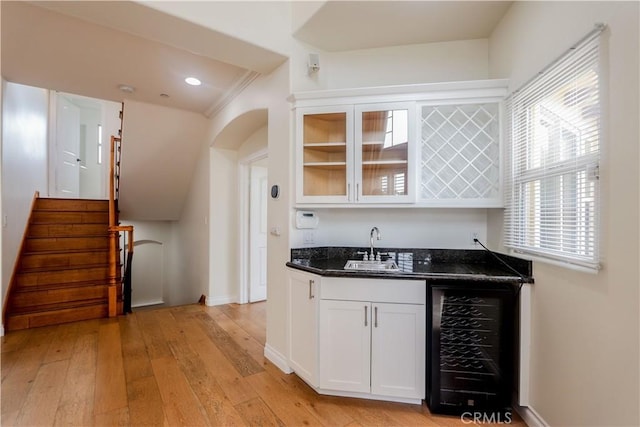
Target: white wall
[
  {"x": 419, "y": 63},
  {"x": 160, "y": 146},
  {"x": 402, "y": 228},
  {"x": 190, "y": 271},
  {"x": 585, "y": 327},
  {"x": 257, "y": 141},
  {"x": 225, "y": 216},
  {"x": 161, "y": 232},
  {"x": 2, "y": 269},
  {"x": 267, "y": 92},
  {"x": 224, "y": 241},
  {"x": 263, "y": 23},
  {"x": 110, "y": 126},
  {"x": 24, "y": 164},
  {"x": 91, "y": 173}
]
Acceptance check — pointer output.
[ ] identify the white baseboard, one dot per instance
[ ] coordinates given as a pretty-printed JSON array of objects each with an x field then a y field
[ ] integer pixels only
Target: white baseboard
[
  {"x": 530, "y": 416},
  {"x": 277, "y": 359},
  {"x": 211, "y": 301},
  {"x": 147, "y": 303}
]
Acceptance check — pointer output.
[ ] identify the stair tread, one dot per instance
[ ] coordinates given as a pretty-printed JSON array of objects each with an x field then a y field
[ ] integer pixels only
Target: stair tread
[
  {"x": 83, "y": 236},
  {"x": 67, "y": 251},
  {"x": 61, "y": 285},
  {"x": 42, "y": 308},
  {"x": 36, "y": 270}
]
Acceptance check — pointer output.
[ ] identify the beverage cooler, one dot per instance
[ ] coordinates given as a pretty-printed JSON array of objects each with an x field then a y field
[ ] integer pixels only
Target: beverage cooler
[{"x": 470, "y": 347}]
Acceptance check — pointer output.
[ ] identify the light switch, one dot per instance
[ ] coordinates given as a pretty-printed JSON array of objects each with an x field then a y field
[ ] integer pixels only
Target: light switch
[{"x": 308, "y": 237}]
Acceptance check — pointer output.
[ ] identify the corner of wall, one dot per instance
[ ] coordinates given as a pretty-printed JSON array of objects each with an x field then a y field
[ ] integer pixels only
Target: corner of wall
[{"x": 277, "y": 359}]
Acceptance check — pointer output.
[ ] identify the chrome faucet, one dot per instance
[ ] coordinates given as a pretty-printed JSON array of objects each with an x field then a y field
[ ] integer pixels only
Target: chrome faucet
[{"x": 372, "y": 256}]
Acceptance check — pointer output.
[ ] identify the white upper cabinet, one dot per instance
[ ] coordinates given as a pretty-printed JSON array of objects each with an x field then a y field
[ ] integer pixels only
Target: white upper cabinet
[
  {"x": 415, "y": 145},
  {"x": 361, "y": 154},
  {"x": 324, "y": 155}
]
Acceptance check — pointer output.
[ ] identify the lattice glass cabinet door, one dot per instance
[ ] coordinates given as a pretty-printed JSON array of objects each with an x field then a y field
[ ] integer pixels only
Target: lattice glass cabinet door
[{"x": 460, "y": 154}]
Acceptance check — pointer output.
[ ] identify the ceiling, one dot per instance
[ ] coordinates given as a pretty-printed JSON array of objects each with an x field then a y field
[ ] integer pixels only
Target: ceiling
[
  {"x": 352, "y": 25},
  {"x": 90, "y": 48}
]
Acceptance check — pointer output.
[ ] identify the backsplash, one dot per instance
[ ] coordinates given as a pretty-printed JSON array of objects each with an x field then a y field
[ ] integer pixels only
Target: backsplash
[{"x": 399, "y": 227}]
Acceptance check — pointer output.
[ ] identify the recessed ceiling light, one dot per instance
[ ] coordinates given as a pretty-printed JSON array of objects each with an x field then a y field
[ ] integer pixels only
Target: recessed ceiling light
[
  {"x": 193, "y": 81},
  {"x": 127, "y": 88}
]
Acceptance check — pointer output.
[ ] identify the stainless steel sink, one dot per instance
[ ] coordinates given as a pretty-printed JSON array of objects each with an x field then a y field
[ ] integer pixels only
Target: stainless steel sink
[{"x": 371, "y": 265}]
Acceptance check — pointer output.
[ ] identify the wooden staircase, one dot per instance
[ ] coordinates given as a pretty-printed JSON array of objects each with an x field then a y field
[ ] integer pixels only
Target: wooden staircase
[{"x": 62, "y": 273}]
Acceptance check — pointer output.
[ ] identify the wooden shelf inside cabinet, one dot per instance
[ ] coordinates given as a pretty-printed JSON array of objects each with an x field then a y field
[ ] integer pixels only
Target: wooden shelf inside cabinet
[
  {"x": 326, "y": 146},
  {"x": 379, "y": 146},
  {"x": 326, "y": 165},
  {"x": 384, "y": 163}
]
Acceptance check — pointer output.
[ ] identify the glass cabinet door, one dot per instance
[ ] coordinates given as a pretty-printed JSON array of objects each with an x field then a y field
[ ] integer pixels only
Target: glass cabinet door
[
  {"x": 383, "y": 152},
  {"x": 326, "y": 146}
]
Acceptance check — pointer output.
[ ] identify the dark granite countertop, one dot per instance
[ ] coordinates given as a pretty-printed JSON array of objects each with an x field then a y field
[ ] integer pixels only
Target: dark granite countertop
[{"x": 442, "y": 264}]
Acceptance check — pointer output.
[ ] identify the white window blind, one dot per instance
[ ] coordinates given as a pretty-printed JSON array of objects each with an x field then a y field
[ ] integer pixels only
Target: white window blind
[{"x": 552, "y": 165}]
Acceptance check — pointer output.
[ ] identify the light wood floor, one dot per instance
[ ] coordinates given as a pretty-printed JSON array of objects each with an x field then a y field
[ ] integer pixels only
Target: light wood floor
[{"x": 179, "y": 366}]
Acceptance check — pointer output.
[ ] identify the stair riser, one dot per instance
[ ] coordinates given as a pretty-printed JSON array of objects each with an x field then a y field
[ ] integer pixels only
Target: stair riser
[
  {"x": 57, "y": 317},
  {"x": 43, "y": 217},
  {"x": 71, "y": 243},
  {"x": 68, "y": 230},
  {"x": 97, "y": 274},
  {"x": 33, "y": 301},
  {"x": 63, "y": 260},
  {"x": 72, "y": 205}
]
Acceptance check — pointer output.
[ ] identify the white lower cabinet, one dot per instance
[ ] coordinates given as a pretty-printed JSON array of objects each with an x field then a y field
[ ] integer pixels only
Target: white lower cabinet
[
  {"x": 398, "y": 350},
  {"x": 345, "y": 345},
  {"x": 358, "y": 337},
  {"x": 303, "y": 325},
  {"x": 369, "y": 345}
]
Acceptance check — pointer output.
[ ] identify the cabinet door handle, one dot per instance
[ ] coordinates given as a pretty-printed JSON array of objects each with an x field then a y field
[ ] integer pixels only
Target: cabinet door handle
[
  {"x": 357, "y": 192},
  {"x": 365, "y": 316},
  {"x": 375, "y": 317},
  {"x": 311, "y": 282},
  {"x": 349, "y": 191}
]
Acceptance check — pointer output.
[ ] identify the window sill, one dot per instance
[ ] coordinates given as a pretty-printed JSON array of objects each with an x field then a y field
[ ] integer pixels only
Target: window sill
[{"x": 558, "y": 263}]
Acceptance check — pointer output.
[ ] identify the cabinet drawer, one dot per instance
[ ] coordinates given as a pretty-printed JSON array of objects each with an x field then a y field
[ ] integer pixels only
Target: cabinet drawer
[{"x": 374, "y": 290}]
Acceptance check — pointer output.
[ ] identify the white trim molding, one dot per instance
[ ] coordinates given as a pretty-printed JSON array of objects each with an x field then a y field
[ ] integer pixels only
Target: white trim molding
[
  {"x": 277, "y": 358},
  {"x": 229, "y": 299},
  {"x": 530, "y": 416}
]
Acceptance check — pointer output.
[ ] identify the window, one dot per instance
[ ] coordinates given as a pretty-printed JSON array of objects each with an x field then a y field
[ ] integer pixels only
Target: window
[{"x": 552, "y": 191}]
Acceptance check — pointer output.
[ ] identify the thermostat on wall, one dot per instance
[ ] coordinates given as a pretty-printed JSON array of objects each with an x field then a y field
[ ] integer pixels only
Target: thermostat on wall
[{"x": 306, "y": 219}]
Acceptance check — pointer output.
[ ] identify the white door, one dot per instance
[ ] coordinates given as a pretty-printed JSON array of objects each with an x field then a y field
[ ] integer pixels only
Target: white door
[
  {"x": 67, "y": 149},
  {"x": 345, "y": 345},
  {"x": 398, "y": 350},
  {"x": 258, "y": 234}
]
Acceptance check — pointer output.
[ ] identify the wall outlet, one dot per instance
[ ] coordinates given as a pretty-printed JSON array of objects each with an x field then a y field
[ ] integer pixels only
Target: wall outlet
[{"x": 474, "y": 236}]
